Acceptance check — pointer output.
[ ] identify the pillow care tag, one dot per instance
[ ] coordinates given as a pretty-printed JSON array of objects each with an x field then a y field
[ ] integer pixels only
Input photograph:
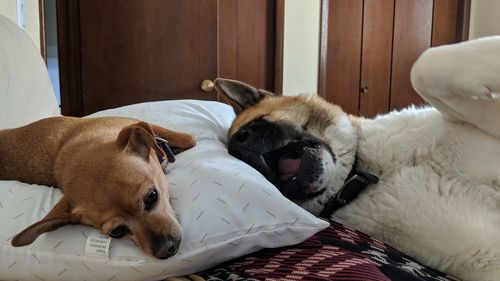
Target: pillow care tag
[{"x": 97, "y": 245}]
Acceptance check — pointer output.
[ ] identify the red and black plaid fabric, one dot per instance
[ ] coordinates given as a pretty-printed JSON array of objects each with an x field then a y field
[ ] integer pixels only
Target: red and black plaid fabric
[{"x": 336, "y": 253}]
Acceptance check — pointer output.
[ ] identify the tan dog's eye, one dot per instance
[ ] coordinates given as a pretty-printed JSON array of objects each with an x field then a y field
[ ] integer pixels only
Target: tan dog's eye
[
  {"x": 150, "y": 199},
  {"x": 119, "y": 231}
]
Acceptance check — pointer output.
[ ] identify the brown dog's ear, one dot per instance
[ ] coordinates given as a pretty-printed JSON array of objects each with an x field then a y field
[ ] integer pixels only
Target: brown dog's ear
[
  {"x": 140, "y": 139},
  {"x": 60, "y": 215},
  {"x": 238, "y": 94}
]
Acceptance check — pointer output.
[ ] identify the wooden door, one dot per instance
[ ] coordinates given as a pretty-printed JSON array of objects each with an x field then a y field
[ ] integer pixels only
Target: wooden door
[
  {"x": 375, "y": 83},
  {"x": 341, "y": 58},
  {"x": 369, "y": 46},
  {"x": 412, "y": 36},
  {"x": 418, "y": 25},
  {"x": 120, "y": 52}
]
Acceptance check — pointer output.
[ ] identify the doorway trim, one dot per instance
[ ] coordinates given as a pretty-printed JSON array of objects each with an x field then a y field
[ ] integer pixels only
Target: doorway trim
[{"x": 43, "y": 42}]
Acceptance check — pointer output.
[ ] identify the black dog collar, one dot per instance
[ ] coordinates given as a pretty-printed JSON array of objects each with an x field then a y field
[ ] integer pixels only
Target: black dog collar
[
  {"x": 356, "y": 182},
  {"x": 163, "y": 144}
]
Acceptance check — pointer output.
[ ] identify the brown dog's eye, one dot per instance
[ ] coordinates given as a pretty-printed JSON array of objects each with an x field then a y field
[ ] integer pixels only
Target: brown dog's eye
[
  {"x": 150, "y": 199},
  {"x": 119, "y": 231}
]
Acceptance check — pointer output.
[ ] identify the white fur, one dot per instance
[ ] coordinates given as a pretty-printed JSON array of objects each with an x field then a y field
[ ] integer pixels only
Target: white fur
[{"x": 438, "y": 198}]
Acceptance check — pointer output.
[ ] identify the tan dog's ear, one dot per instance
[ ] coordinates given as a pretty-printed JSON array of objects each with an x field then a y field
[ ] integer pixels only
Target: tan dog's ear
[
  {"x": 60, "y": 215},
  {"x": 140, "y": 139},
  {"x": 238, "y": 94}
]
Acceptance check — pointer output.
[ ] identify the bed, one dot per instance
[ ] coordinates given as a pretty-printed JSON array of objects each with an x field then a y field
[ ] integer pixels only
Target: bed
[
  {"x": 336, "y": 253},
  {"x": 236, "y": 225}
]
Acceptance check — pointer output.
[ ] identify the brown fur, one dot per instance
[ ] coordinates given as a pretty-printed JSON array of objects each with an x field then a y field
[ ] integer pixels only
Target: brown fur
[
  {"x": 104, "y": 166},
  {"x": 307, "y": 111}
]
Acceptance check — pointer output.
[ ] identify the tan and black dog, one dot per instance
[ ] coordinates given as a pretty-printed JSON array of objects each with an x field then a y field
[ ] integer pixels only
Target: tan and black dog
[
  {"x": 425, "y": 180},
  {"x": 109, "y": 172}
]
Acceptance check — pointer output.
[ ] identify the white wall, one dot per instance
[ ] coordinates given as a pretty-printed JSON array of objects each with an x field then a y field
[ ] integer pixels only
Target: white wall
[
  {"x": 33, "y": 21},
  {"x": 8, "y": 8},
  {"x": 484, "y": 18},
  {"x": 301, "y": 46}
]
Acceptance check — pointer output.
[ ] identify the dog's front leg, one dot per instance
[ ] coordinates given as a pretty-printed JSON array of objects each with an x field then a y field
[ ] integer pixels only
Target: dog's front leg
[
  {"x": 177, "y": 140},
  {"x": 463, "y": 81}
]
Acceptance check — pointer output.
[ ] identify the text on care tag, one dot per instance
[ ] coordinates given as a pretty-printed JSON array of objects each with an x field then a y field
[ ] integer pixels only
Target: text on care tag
[{"x": 97, "y": 245}]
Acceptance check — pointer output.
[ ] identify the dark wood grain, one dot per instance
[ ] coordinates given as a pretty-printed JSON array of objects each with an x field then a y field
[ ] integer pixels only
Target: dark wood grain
[
  {"x": 70, "y": 71},
  {"x": 279, "y": 45},
  {"x": 228, "y": 39},
  {"x": 136, "y": 51},
  {"x": 412, "y": 36},
  {"x": 376, "y": 56},
  {"x": 256, "y": 39},
  {"x": 444, "y": 27},
  {"x": 119, "y": 52},
  {"x": 391, "y": 35},
  {"x": 247, "y": 41},
  {"x": 450, "y": 21},
  {"x": 463, "y": 21},
  {"x": 341, "y": 67}
]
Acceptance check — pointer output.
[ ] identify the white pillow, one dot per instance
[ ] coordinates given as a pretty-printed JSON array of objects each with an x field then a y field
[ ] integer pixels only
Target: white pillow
[{"x": 225, "y": 207}]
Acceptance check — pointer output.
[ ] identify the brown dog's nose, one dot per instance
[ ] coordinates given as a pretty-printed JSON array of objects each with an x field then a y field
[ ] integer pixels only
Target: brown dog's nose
[{"x": 165, "y": 246}]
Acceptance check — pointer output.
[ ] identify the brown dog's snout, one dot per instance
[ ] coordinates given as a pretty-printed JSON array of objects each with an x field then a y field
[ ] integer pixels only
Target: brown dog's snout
[{"x": 165, "y": 246}]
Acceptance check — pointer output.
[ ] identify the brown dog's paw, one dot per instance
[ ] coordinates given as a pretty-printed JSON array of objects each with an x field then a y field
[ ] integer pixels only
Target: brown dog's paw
[
  {"x": 188, "y": 141},
  {"x": 178, "y": 141}
]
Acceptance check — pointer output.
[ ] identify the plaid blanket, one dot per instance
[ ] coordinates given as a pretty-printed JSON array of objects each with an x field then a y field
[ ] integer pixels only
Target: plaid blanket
[{"x": 336, "y": 253}]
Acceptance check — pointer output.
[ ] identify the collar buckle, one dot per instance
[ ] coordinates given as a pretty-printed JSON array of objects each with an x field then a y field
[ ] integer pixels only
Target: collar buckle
[
  {"x": 170, "y": 158},
  {"x": 353, "y": 186},
  {"x": 344, "y": 195}
]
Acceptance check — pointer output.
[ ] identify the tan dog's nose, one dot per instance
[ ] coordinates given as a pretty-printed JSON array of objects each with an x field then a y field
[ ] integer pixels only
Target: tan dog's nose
[{"x": 165, "y": 246}]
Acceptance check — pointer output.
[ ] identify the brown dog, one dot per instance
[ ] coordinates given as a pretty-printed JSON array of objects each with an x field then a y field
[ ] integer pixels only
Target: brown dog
[{"x": 109, "y": 172}]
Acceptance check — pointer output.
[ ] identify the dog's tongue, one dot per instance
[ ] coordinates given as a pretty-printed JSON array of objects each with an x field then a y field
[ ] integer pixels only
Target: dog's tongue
[{"x": 288, "y": 167}]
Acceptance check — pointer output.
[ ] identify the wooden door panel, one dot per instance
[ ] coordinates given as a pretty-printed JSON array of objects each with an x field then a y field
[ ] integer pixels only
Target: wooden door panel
[
  {"x": 69, "y": 51},
  {"x": 136, "y": 51},
  {"x": 376, "y": 57},
  {"x": 385, "y": 37},
  {"x": 247, "y": 40},
  {"x": 228, "y": 39},
  {"x": 444, "y": 28},
  {"x": 412, "y": 36},
  {"x": 340, "y": 70},
  {"x": 256, "y": 36}
]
